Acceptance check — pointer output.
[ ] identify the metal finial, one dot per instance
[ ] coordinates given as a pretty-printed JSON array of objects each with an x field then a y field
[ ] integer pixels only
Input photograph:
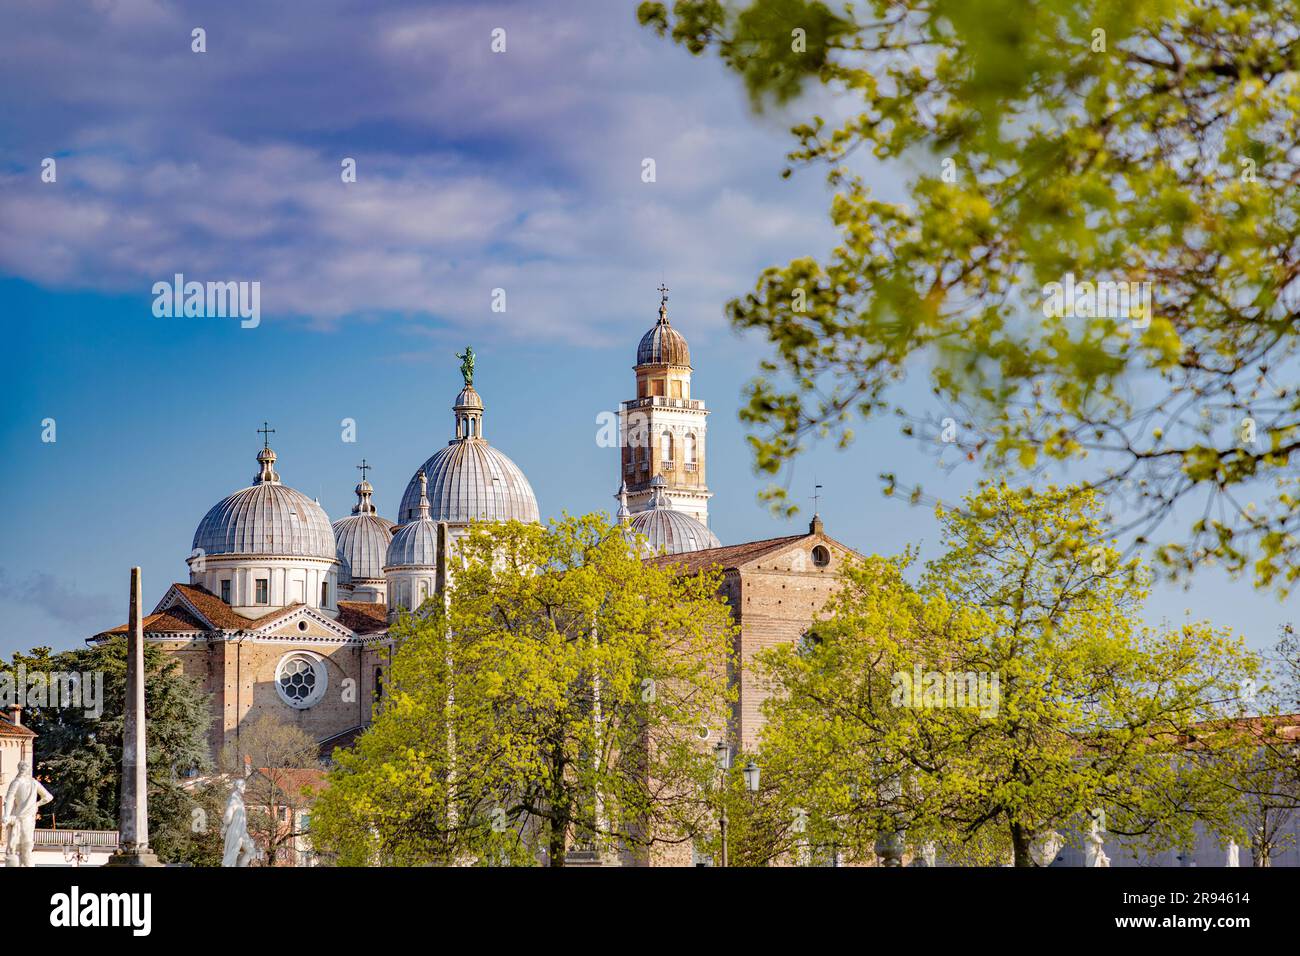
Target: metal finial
[
  {"x": 363, "y": 468},
  {"x": 663, "y": 301},
  {"x": 266, "y": 431},
  {"x": 817, "y": 494}
]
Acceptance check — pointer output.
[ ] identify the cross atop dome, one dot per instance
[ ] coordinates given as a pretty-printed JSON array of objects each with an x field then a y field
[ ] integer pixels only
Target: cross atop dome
[
  {"x": 663, "y": 303},
  {"x": 365, "y": 490}
]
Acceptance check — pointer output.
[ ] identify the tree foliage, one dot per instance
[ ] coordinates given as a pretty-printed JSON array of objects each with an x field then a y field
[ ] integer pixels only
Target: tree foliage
[
  {"x": 80, "y": 754},
  {"x": 554, "y": 699},
  {"x": 1090, "y": 710},
  {"x": 1142, "y": 141}
]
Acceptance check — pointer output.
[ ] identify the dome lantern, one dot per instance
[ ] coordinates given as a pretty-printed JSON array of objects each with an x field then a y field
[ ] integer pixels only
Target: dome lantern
[{"x": 364, "y": 490}]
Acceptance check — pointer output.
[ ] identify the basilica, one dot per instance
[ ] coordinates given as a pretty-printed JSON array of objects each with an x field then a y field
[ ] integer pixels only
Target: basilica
[{"x": 287, "y": 613}]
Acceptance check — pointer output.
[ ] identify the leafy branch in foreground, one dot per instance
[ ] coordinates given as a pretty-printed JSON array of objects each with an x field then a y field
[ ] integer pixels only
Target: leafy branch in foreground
[{"x": 1147, "y": 143}]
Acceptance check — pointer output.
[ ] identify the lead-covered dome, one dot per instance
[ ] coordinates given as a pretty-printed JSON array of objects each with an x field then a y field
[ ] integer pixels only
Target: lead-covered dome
[
  {"x": 361, "y": 540},
  {"x": 665, "y": 531},
  {"x": 415, "y": 544},
  {"x": 266, "y": 518},
  {"x": 469, "y": 480},
  {"x": 663, "y": 344}
]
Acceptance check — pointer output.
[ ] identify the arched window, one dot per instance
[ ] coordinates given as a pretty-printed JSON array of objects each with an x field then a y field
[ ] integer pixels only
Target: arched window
[
  {"x": 666, "y": 446},
  {"x": 690, "y": 449}
]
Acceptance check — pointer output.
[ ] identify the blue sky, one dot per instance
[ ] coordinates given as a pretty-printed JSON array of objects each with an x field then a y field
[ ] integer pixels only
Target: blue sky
[{"x": 476, "y": 171}]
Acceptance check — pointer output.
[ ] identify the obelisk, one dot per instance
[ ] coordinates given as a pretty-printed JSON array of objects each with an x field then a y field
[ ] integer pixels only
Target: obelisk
[{"x": 133, "y": 812}]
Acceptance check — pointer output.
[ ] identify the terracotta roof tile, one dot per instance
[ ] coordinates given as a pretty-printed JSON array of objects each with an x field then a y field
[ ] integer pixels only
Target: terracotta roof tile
[
  {"x": 728, "y": 557},
  {"x": 275, "y": 615},
  {"x": 175, "y": 618},
  {"x": 216, "y": 611},
  {"x": 363, "y": 617},
  {"x": 9, "y": 729},
  {"x": 296, "y": 780}
]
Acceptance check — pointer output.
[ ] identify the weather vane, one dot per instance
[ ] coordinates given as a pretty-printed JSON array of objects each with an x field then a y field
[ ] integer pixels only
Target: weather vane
[{"x": 816, "y": 497}]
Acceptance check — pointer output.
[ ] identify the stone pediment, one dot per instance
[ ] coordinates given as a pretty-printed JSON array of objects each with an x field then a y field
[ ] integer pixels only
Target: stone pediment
[{"x": 299, "y": 623}]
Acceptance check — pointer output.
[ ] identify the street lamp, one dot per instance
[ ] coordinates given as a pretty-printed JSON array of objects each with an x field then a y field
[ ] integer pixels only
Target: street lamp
[
  {"x": 751, "y": 772},
  {"x": 74, "y": 853},
  {"x": 722, "y": 755}
]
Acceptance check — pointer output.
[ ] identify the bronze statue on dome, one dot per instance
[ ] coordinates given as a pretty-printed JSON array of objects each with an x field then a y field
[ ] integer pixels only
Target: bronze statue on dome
[{"x": 467, "y": 365}]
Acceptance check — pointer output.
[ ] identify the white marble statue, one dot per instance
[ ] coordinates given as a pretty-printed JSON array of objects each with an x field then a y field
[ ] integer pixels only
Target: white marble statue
[
  {"x": 25, "y": 796},
  {"x": 929, "y": 853},
  {"x": 1234, "y": 854},
  {"x": 1044, "y": 848},
  {"x": 9, "y": 837},
  {"x": 240, "y": 848},
  {"x": 1093, "y": 853}
]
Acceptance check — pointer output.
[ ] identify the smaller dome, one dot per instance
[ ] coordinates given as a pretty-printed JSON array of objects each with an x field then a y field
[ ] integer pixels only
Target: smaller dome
[
  {"x": 415, "y": 544},
  {"x": 663, "y": 344},
  {"x": 361, "y": 540},
  {"x": 665, "y": 530}
]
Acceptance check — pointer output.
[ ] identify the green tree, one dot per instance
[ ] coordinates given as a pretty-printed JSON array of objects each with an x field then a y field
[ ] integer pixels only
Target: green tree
[
  {"x": 1090, "y": 710},
  {"x": 555, "y": 699},
  {"x": 1268, "y": 770},
  {"x": 80, "y": 753},
  {"x": 1145, "y": 141}
]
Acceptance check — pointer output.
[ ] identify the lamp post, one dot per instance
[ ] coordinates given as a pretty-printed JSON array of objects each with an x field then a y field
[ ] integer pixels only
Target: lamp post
[
  {"x": 74, "y": 852},
  {"x": 722, "y": 754},
  {"x": 890, "y": 844}
]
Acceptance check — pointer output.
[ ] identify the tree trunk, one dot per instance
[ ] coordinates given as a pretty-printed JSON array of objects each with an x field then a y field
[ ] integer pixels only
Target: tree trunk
[
  {"x": 1020, "y": 841},
  {"x": 561, "y": 812},
  {"x": 559, "y": 829}
]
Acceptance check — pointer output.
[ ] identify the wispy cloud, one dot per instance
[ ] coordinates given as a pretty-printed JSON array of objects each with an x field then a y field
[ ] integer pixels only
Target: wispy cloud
[
  {"x": 58, "y": 599},
  {"x": 476, "y": 170}
]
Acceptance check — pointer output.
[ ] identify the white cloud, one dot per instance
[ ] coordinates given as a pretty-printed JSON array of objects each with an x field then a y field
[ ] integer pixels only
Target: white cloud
[{"x": 475, "y": 170}]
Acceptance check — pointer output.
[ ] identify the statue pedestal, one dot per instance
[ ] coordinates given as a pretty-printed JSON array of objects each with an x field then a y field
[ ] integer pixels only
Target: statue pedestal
[{"x": 145, "y": 857}]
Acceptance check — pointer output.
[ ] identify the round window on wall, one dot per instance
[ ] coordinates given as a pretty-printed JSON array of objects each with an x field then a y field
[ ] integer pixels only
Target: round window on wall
[
  {"x": 821, "y": 556},
  {"x": 300, "y": 679}
]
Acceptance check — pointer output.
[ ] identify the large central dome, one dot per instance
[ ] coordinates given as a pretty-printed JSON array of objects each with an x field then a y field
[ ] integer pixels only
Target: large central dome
[{"x": 469, "y": 480}]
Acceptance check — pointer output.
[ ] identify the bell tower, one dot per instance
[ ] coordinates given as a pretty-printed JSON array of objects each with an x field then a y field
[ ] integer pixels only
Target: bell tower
[{"x": 663, "y": 429}]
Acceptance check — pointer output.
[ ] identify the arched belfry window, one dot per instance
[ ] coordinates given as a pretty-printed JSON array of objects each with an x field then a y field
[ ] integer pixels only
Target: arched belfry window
[
  {"x": 666, "y": 445},
  {"x": 690, "y": 449}
]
